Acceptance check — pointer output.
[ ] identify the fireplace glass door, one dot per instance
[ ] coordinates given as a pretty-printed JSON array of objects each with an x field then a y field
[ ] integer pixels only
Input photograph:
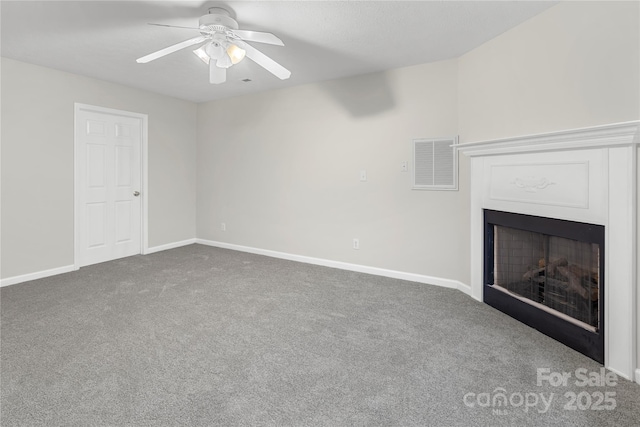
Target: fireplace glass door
[
  {"x": 549, "y": 274},
  {"x": 561, "y": 274}
]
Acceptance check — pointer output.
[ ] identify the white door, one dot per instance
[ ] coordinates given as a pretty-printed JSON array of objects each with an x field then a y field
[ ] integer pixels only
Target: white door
[{"x": 108, "y": 178}]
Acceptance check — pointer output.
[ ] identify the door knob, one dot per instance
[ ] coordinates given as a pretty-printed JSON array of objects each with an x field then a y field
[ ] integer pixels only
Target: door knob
[{"x": 136, "y": 193}]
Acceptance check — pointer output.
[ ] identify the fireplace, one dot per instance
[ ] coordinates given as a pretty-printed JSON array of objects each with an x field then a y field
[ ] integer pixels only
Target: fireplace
[
  {"x": 584, "y": 179},
  {"x": 549, "y": 274}
]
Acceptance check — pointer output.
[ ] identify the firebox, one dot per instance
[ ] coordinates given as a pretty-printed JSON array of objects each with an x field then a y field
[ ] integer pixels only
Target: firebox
[{"x": 549, "y": 274}]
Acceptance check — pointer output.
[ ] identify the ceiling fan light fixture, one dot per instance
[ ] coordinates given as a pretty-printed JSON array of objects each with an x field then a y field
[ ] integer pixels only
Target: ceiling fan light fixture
[
  {"x": 202, "y": 54},
  {"x": 224, "y": 62},
  {"x": 214, "y": 50},
  {"x": 236, "y": 54}
]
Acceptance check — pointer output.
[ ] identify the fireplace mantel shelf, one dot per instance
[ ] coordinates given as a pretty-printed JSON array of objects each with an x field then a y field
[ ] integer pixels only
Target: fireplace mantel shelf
[{"x": 612, "y": 135}]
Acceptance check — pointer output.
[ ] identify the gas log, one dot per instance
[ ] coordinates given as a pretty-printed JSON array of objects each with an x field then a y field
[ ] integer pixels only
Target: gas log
[{"x": 575, "y": 279}]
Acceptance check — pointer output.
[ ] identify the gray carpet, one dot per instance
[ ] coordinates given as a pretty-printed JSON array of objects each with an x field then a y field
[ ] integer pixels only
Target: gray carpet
[{"x": 204, "y": 336}]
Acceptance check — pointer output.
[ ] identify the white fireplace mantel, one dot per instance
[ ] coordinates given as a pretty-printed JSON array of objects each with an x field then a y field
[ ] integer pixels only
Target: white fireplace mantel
[{"x": 586, "y": 175}]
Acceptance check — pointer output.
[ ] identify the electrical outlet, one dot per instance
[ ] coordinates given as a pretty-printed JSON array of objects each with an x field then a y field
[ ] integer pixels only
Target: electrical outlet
[
  {"x": 356, "y": 244},
  {"x": 223, "y": 226},
  {"x": 363, "y": 175},
  {"x": 404, "y": 166}
]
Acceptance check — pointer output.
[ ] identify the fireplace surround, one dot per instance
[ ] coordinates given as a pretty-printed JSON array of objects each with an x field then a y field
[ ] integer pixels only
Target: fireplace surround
[{"x": 584, "y": 176}]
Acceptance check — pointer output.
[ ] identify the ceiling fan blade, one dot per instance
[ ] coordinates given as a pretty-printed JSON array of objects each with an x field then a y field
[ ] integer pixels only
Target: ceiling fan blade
[
  {"x": 257, "y": 36},
  {"x": 173, "y": 26},
  {"x": 170, "y": 49},
  {"x": 265, "y": 62},
  {"x": 217, "y": 75}
]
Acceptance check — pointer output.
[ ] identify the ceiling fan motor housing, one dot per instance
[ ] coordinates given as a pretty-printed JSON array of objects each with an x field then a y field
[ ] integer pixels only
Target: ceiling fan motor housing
[{"x": 218, "y": 22}]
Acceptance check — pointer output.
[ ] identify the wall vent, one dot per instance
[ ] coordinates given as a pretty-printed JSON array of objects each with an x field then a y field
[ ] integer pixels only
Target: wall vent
[{"x": 435, "y": 164}]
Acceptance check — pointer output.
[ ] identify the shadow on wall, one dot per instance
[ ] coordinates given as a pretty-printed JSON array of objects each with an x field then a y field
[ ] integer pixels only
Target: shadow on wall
[{"x": 361, "y": 96}]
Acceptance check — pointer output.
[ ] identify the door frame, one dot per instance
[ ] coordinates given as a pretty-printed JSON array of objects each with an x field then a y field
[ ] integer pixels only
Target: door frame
[{"x": 77, "y": 179}]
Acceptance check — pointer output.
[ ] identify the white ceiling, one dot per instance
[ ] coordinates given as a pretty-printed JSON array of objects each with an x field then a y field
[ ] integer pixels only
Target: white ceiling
[{"x": 323, "y": 39}]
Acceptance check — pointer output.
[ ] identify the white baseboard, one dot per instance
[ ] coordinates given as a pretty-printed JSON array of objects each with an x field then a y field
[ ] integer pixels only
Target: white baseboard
[
  {"x": 170, "y": 246},
  {"x": 54, "y": 271},
  {"x": 638, "y": 376},
  {"x": 620, "y": 374},
  {"x": 464, "y": 288},
  {"x": 412, "y": 277},
  {"x": 37, "y": 275}
]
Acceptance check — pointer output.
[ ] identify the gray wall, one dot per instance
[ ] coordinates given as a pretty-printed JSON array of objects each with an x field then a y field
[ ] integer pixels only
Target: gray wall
[
  {"x": 37, "y": 163},
  {"x": 281, "y": 169},
  {"x": 574, "y": 65}
]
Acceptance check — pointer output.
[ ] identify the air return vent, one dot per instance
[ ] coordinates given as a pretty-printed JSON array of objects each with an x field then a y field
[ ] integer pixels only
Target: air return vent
[{"x": 435, "y": 164}]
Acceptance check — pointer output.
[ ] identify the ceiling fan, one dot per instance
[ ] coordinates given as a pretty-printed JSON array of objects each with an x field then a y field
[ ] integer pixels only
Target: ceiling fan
[{"x": 223, "y": 45}]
